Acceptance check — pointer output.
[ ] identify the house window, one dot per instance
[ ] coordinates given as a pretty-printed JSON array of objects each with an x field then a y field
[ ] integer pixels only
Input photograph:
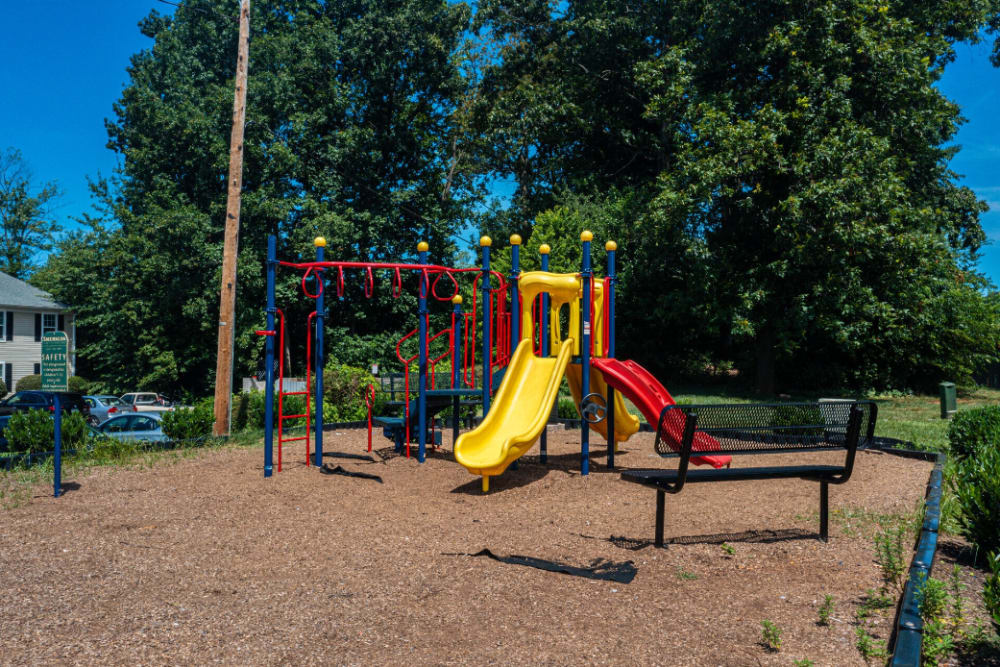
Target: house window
[
  {"x": 38, "y": 369},
  {"x": 48, "y": 323},
  {"x": 3, "y": 325}
]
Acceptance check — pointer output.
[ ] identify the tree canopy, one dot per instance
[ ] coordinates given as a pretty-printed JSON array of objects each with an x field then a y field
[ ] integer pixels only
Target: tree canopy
[
  {"x": 27, "y": 223},
  {"x": 776, "y": 175}
]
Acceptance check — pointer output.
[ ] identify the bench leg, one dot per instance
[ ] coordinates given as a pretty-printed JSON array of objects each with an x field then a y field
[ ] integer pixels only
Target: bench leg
[
  {"x": 824, "y": 510},
  {"x": 660, "y": 502}
]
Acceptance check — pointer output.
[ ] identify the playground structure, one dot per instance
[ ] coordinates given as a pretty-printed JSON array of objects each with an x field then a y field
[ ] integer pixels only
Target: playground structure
[{"x": 524, "y": 357}]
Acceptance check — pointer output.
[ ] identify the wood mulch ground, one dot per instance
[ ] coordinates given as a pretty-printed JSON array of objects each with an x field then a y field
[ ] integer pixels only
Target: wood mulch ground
[{"x": 204, "y": 561}]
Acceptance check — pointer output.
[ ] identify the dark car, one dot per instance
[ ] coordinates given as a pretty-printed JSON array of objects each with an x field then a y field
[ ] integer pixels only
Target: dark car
[{"x": 44, "y": 400}]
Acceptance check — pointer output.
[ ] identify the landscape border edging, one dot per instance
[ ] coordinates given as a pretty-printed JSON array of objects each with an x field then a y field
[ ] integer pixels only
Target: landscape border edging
[{"x": 907, "y": 634}]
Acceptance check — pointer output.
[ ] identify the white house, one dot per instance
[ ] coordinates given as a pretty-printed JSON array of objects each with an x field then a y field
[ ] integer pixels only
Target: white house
[{"x": 26, "y": 313}]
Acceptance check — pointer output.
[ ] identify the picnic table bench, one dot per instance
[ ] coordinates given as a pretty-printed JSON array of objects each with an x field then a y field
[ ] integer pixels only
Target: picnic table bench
[{"x": 716, "y": 433}]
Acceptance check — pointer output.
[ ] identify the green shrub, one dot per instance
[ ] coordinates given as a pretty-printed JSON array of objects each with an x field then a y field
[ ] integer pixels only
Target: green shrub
[
  {"x": 293, "y": 405},
  {"x": 794, "y": 415},
  {"x": 991, "y": 590},
  {"x": 344, "y": 389},
  {"x": 970, "y": 430},
  {"x": 190, "y": 423},
  {"x": 566, "y": 409},
  {"x": 78, "y": 385},
  {"x": 977, "y": 489},
  {"x": 34, "y": 431},
  {"x": 241, "y": 407},
  {"x": 29, "y": 383}
]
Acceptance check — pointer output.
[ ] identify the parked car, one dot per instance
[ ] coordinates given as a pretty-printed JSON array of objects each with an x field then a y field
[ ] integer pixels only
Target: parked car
[
  {"x": 44, "y": 400},
  {"x": 147, "y": 401},
  {"x": 142, "y": 426},
  {"x": 103, "y": 408}
]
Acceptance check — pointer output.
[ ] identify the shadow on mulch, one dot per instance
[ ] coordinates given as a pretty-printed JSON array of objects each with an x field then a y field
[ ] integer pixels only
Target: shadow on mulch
[
  {"x": 600, "y": 569},
  {"x": 511, "y": 479},
  {"x": 746, "y": 537},
  {"x": 366, "y": 458},
  {"x": 63, "y": 488}
]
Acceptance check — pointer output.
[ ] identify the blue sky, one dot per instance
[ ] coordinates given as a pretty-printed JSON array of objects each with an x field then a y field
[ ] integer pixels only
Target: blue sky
[{"x": 64, "y": 66}]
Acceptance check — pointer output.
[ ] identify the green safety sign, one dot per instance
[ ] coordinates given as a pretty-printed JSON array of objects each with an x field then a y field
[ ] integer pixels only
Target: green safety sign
[{"x": 55, "y": 361}]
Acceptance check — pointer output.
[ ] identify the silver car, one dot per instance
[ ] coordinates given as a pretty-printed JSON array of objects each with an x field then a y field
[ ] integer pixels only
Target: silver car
[
  {"x": 103, "y": 408},
  {"x": 144, "y": 426}
]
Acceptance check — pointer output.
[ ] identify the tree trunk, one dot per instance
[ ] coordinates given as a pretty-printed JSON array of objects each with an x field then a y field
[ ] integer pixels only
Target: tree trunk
[{"x": 765, "y": 360}]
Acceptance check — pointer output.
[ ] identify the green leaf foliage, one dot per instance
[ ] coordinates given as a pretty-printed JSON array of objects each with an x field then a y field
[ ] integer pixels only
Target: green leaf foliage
[
  {"x": 189, "y": 423},
  {"x": 350, "y": 134},
  {"x": 977, "y": 488},
  {"x": 972, "y": 430},
  {"x": 34, "y": 431},
  {"x": 29, "y": 383}
]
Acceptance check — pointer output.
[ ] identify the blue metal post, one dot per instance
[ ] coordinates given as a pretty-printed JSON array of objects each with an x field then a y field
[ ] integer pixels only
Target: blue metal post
[
  {"x": 57, "y": 463},
  {"x": 515, "y": 307},
  {"x": 485, "y": 243},
  {"x": 588, "y": 275},
  {"x": 543, "y": 336},
  {"x": 320, "y": 244},
  {"x": 272, "y": 262},
  {"x": 456, "y": 352},
  {"x": 611, "y": 246},
  {"x": 422, "y": 248}
]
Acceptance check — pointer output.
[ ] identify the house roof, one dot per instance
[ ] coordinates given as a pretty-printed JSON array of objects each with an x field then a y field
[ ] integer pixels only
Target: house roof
[{"x": 19, "y": 294}]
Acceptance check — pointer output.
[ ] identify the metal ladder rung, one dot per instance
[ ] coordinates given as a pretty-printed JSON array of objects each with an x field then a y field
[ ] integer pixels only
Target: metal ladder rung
[
  {"x": 301, "y": 437},
  {"x": 283, "y": 417},
  {"x": 294, "y": 393}
]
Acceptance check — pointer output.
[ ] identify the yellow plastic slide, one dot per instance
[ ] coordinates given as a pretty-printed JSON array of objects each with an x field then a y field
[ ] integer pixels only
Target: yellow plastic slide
[
  {"x": 626, "y": 424},
  {"x": 519, "y": 412}
]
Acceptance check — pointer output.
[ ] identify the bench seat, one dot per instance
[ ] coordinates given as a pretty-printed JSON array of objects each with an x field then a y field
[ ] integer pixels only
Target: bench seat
[{"x": 805, "y": 429}]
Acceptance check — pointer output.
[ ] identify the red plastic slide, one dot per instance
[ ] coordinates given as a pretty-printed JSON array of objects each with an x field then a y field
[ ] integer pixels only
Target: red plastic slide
[{"x": 640, "y": 387}]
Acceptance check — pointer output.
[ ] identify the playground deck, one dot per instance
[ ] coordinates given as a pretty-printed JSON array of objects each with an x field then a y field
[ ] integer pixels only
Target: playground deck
[{"x": 205, "y": 561}]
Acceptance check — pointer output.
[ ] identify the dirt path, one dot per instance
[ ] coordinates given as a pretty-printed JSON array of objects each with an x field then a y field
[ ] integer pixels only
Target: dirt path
[{"x": 204, "y": 561}]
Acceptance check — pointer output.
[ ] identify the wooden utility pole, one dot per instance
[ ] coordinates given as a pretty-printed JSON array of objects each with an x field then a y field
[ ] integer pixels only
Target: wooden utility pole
[{"x": 227, "y": 301}]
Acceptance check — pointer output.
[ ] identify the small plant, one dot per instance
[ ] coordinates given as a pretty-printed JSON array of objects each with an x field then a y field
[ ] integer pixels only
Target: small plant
[
  {"x": 804, "y": 662},
  {"x": 933, "y": 599},
  {"x": 991, "y": 590},
  {"x": 770, "y": 636},
  {"x": 685, "y": 575},
  {"x": 955, "y": 588},
  {"x": 825, "y": 610},
  {"x": 34, "y": 431},
  {"x": 868, "y": 646},
  {"x": 873, "y": 602},
  {"x": 937, "y": 643},
  {"x": 728, "y": 549},
  {"x": 889, "y": 556}
]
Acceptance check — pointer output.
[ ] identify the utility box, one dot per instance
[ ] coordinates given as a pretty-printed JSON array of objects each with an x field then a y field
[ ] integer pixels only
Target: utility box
[{"x": 949, "y": 402}]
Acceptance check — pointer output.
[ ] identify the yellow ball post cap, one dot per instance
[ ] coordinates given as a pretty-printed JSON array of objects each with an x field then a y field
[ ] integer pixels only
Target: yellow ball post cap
[
  {"x": 457, "y": 299},
  {"x": 319, "y": 242},
  {"x": 586, "y": 235},
  {"x": 515, "y": 239},
  {"x": 485, "y": 241},
  {"x": 610, "y": 246},
  {"x": 544, "y": 249},
  {"x": 423, "y": 246}
]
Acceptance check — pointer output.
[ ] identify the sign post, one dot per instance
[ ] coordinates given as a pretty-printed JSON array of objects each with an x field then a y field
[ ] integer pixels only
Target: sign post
[{"x": 55, "y": 377}]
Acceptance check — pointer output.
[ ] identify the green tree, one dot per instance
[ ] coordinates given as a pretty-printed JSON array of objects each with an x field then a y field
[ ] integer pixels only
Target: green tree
[
  {"x": 350, "y": 135},
  {"x": 27, "y": 225},
  {"x": 800, "y": 213}
]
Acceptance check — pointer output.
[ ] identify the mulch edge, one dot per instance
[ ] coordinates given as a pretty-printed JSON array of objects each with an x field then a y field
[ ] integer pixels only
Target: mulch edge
[{"x": 908, "y": 629}]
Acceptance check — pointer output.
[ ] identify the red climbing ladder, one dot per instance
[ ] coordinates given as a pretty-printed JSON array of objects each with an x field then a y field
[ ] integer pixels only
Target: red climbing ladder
[{"x": 282, "y": 417}]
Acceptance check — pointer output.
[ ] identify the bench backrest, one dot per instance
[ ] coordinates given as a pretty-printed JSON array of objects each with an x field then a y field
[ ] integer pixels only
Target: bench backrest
[{"x": 756, "y": 428}]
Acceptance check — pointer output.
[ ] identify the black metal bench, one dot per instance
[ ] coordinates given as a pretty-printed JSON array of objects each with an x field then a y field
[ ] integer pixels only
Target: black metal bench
[{"x": 715, "y": 433}]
